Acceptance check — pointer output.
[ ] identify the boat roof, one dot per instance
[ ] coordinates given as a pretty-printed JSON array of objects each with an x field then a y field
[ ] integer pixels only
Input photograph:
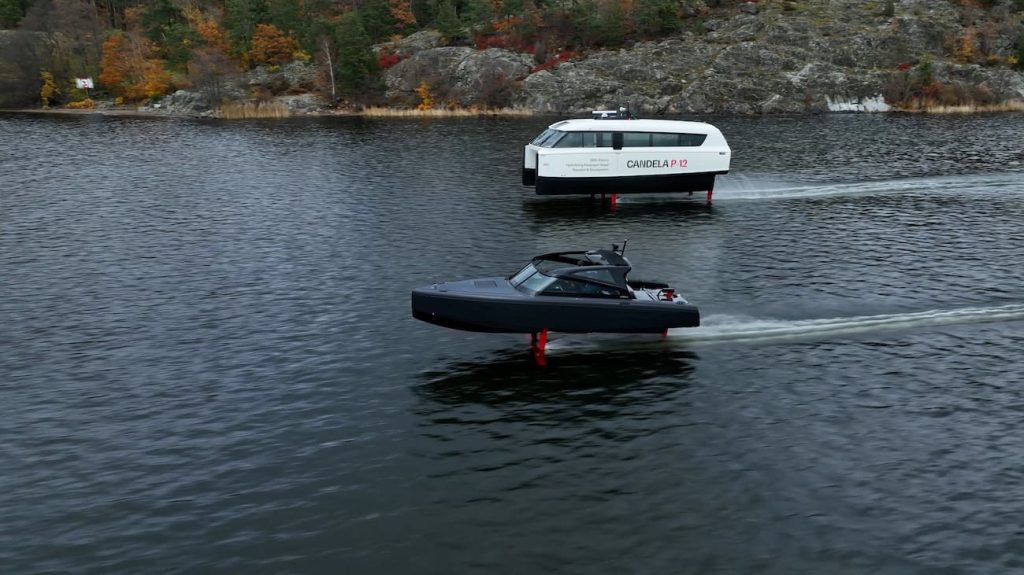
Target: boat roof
[
  {"x": 664, "y": 126},
  {"x": 587, "y": 258}
]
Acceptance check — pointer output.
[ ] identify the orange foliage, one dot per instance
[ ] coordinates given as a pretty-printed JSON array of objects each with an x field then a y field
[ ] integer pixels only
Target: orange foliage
[
  {"x": 128, "y": 69},
  {"x": 271, "y": 46},
  {"x": 151, "y": 80},
  {"x": 507, "y": 23},
  {"x": 111, "y": 65},
  {"x": 211, "y": 32},
  {"x": 401, "y": 11}
]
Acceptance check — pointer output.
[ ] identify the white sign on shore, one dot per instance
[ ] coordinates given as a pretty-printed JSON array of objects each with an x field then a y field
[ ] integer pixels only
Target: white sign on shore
[{"x": 83, "y": 83}]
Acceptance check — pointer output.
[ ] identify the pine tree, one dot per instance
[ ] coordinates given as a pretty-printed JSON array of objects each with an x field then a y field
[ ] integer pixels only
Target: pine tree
[
  {"x": 377, "y": 19},
  {"x": 448, "y": 23},
  {"x": 356, "y": 63}
]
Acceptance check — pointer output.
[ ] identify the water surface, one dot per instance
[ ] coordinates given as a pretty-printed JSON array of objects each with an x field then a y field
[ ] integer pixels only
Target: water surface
[{"x": 207, "y": 360}]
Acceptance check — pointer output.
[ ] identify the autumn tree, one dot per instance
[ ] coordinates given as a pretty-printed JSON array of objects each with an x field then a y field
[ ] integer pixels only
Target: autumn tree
[
  {"x": 240, "y": 20},
  {"x": 112, "y": 67},
  {"x": 49, "y": 91},
  {"x": 401, "y": 11},
  {"x": 130, "y": 63},
  {"x": 271, "y": 46},
  {"x": 210, "y": 64}
]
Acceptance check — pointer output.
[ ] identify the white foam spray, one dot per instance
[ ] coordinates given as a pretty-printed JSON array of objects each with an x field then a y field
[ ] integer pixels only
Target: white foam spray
[
  {"x": 738, "y": 187},
  {"x": 724, "y": 328}
]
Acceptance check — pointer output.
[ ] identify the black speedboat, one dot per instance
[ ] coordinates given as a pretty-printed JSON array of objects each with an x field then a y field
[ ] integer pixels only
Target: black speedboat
[{"x": 568, "y": 292}]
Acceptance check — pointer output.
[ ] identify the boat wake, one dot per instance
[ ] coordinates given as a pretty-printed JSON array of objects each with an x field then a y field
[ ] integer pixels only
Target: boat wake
[
  {"x": 723, "y": 328},
  {"x": 736, "y": 187}
]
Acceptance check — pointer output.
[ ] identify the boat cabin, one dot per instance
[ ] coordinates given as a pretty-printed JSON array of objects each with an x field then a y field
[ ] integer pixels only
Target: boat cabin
[
  {"x": 597, "y": 274},
  {"x": 616, "y": 154}
]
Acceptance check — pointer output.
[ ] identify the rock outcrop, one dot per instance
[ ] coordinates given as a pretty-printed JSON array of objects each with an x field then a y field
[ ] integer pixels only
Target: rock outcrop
[
  {"x": 761, "y": 58},
  {"x": 458, "y": 75}
]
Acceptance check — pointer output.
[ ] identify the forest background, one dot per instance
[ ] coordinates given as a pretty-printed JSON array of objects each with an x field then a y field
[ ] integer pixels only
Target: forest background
[{"x": 141, "y": 50}]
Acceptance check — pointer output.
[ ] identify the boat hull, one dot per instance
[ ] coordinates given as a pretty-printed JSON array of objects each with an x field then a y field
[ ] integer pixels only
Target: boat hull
[
  {"x": 508, "y": 311},
  {"x": 660, "y": 183}
]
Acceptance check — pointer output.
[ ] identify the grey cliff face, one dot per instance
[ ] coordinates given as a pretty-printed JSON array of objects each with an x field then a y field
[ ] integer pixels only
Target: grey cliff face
[
  {"x": 764, "y": 58},
  {"x": 455, "y": 74}
]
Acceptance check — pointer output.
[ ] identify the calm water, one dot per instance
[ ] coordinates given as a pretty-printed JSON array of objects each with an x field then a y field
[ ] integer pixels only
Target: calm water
[{"x": 207, "y": 361}]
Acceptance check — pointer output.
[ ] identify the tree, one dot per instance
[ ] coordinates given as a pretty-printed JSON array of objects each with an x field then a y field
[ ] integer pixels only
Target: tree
[
  {"x": 287, "y": 16},
  {"x": 240, "y": 20},
  {"x": 271, "y": 46},
  {"x": 401, "y": 11},
  {"x": 130, "y": 64},
  {"x": 355, "y": 64},
  {"x": 210, "y": 63},
  {"x": 424, "y": 11},
  {"x": 166, "y": 26},
  {"x": 448, "y": 23},
  {"x": 656, "y": 17},
  {"x": 111, "y": 64},
  {"x": 377, "y": 19},
  {"x": 49, "y": 90},
  {"x": 11, "y": 11}
]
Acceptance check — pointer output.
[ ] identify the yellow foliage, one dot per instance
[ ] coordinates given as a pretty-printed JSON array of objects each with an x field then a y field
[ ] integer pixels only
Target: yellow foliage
[
  {"x": 49, "y": 90},
  {"x": 965, "y": 47},
  {"x": 426, "y": 101},
  {"x": 1012, "y": 60}
]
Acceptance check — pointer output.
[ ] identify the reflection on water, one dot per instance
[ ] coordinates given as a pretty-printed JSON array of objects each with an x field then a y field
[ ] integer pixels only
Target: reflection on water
[
  {"x": 606, "y": 377},
  {"x": 568, "y": 209}
]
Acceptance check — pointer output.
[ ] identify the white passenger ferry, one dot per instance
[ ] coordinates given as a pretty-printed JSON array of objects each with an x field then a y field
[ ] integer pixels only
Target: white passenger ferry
[{"x": 614, "y": 154}]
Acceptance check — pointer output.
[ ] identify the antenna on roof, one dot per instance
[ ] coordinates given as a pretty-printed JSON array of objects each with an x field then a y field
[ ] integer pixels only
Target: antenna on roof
[{"x": 615, "y": 247}]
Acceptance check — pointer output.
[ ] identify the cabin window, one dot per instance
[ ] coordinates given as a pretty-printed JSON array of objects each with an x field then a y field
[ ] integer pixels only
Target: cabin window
[
  {"x": 664, "y": 140},
  {"x": 692, "y": 140},
  {"x": 636, "y": 140},
  {"x": 570, "y": 287},
  {"x": 645, "y": 139},
  {"x": 571, "y": 140},
  {"x": 601, "y": 275},
  {"x": 597, "y": 139}
]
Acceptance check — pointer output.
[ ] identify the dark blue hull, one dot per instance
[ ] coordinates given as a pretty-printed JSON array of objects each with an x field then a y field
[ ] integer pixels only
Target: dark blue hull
[{"x": 497, "y": 307}]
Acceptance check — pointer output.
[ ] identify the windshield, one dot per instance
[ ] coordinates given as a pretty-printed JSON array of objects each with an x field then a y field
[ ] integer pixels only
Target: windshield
[
  {"x": 522, "y": 274},
  {"x": 530, "y": 279},
  {"x": 547, "y": 138}
]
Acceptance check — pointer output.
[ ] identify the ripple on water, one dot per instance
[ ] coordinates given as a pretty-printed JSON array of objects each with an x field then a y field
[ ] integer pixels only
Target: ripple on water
[{"x": 208, "y": 362}]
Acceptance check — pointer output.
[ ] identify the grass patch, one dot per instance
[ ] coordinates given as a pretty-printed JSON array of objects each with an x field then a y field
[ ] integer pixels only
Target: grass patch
[
  {"x": 247, "y": 110},
  {"x": 969, "y": 108}
]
